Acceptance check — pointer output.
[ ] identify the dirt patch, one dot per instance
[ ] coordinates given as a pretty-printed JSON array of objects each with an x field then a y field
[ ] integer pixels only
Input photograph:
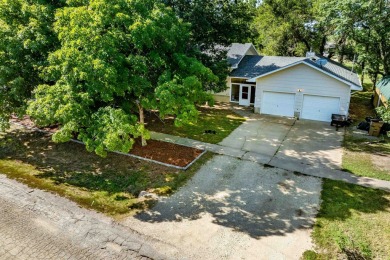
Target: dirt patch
[
  {"x": 382, "y": 162},
  {"x": 166, "y": 152},
  {"x": 27, "y": 122}
]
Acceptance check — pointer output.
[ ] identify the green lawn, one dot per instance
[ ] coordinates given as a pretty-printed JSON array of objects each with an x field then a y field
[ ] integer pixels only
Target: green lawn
[
  {"x": 353, "y": 223},
  {"x": 218, "y": 118},
  {"x": 110, "y": 185},
  {"x": 358, "y": 151},
  {"x": 357, "y": 156}
]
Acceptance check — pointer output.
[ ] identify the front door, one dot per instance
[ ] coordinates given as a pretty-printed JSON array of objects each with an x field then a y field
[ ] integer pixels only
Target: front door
[{"x": 245, "y": 95}]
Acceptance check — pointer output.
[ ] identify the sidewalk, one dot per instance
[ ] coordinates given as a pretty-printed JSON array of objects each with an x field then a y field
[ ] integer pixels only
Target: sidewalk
[{"x": 286, "y": 164}]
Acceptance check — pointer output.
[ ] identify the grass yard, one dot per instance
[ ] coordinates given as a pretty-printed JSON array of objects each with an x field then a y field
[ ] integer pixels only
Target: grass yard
[
  {"x": 358, "y": 157},
  {"x": 360, "y": 152},
  {"x": 353, "y": 223},
  {"x": 219, "y": 118},
  {"x": 110, "y": 185}
]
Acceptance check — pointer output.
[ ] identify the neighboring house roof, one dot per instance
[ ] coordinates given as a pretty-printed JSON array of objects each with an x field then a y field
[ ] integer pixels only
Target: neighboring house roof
[
  {"x": 238, "y": 51},
  {"x": 253, "y": 67},
  {"x": 384, "y": 86}
]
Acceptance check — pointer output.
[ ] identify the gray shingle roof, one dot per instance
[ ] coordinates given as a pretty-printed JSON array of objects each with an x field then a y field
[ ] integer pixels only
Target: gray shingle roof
[
  {"x": 337, "y": 70},
  {"x": 236, "y": 52},
  {"x": 254, "y": 66}
]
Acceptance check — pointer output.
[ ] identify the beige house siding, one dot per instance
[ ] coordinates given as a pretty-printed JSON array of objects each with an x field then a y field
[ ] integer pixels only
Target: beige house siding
[
  {"x": 302, "y": 80},
  {"x": 223, "y": 96}
]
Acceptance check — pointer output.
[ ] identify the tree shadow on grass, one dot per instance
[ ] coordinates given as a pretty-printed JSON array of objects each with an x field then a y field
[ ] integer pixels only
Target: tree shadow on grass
[
  {"x": 362, "y": 144},
  {"x": 71, "y": 164},
  {"x": 340, "y": 199}
]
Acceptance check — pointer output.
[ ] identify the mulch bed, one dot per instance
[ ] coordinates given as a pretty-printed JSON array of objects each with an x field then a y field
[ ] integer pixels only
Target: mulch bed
[
  {"x": 164, "y": 152},
  {"x": 174, "y": 154}
]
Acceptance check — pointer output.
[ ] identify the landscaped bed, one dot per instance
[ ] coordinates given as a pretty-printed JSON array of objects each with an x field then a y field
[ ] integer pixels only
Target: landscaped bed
[
  {"x": 110, "y": 185},
  {"x": 169, "y": 153},
  {"x": 158, "y": 151}
]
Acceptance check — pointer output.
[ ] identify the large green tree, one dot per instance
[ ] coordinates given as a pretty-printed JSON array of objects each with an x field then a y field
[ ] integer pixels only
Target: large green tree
[
  {"x": 116, "y": 59},
  {"x": 26, "y": 38},
  {"x": 365, "y": 27},
  {"x": 288, "y": 27},
  {"x": 216, "y": 24}
]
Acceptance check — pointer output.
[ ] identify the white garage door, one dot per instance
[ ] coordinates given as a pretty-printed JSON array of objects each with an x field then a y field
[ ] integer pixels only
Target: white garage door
[
  {"x": 320, "y": 108},
  {"x": 279, "y": 104}
]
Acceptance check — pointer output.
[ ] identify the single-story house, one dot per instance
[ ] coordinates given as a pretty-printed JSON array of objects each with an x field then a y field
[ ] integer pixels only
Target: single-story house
[
  {"x": 310, "y": 87},
  {"x": 382, "y": 92}
]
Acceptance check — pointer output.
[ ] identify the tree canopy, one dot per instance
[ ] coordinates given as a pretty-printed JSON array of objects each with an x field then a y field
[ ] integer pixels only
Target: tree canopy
[
  {"x": 355, "y": 28},
  {"x": 116, "y": 59},
  {"x": 26, "y": 38},
  {"x": 215, "y": 24},
  {"x": 289, "y": 27},
  {"x": 366, "y": 25}
]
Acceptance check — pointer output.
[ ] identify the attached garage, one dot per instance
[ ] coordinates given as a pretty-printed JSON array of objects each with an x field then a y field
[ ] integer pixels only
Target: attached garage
[
  {"x": 279, "y": 104},
  {"x": 320, "y": 108},
  {"x": 311, "y": 87}
]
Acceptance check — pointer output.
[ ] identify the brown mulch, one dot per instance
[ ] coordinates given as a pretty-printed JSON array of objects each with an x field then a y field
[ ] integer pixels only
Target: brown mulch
[
  {"x": 164, "y": 152},
  {"x": 174, "y": 154}
]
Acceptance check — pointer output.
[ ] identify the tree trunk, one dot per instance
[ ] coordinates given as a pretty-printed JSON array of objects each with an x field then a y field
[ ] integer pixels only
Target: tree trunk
[
  {"x": 322, "y": 46},
  {"x": 142, "y": 122},
  {"x": 374, "y": 81},
  {"x": 341, "y": 49},
  {"x": 362, "y": 76}
]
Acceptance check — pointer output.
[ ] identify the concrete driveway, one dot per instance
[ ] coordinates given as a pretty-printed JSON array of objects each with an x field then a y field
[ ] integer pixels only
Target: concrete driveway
[
  {"x": 260, "y": 134},
  {"x": 236, "y": 209},
  {"x": 282, "y": 141},
  {"x": 311, "y": 144}
]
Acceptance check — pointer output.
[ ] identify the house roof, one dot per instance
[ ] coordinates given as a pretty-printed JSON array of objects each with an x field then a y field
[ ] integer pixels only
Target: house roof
[
  {"x": 337, "y": 70},
  {"x": 384, "y": 86},
  {"x": 253, "y": 67},
  {"x": 237, "y": 52}
]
